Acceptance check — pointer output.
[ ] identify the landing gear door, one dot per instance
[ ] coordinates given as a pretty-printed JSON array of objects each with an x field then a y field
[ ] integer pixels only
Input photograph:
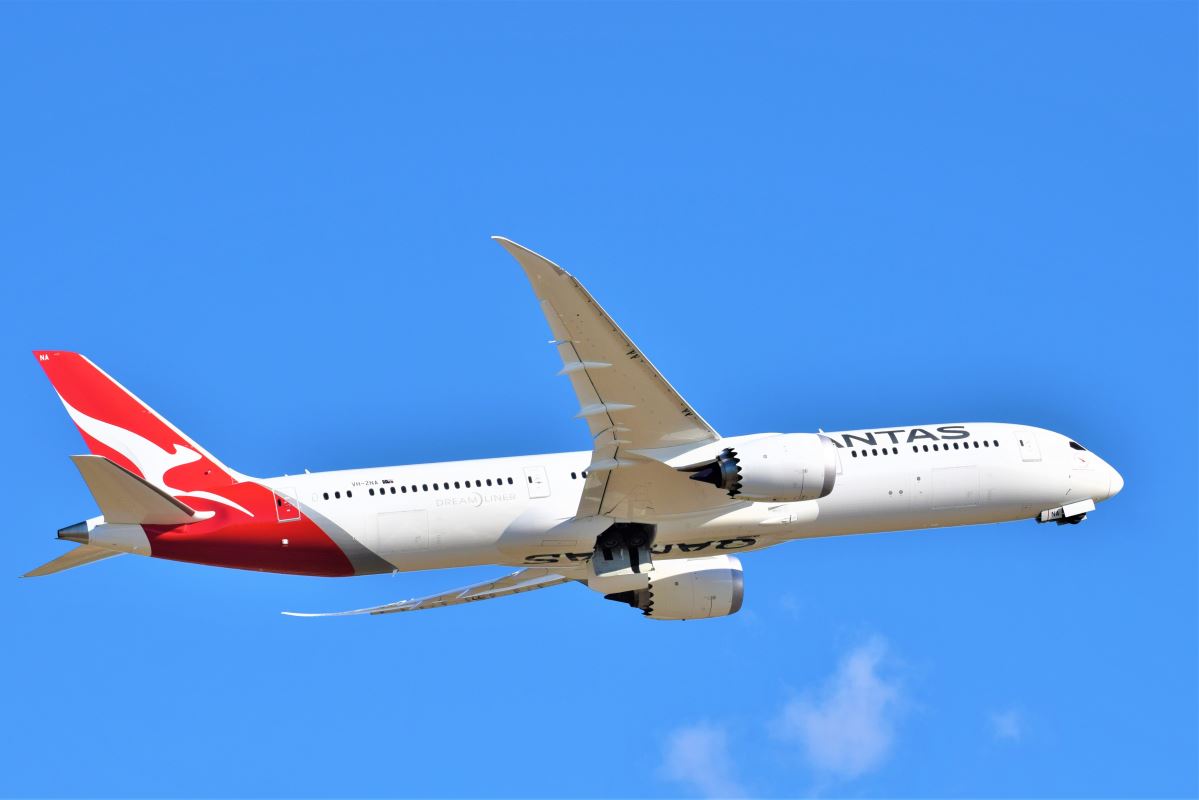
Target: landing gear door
[
  {"x": 535, "y": 479},
  {"x": 1029, "y": 450}
]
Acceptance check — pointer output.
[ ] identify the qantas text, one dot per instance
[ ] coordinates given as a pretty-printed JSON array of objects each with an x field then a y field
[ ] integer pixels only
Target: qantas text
[
  {"x": 899, "y": 435},
  {"x": 657, "y": 549}
]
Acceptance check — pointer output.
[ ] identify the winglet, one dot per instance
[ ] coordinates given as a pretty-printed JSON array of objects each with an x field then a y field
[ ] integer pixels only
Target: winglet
[{"x": 530, "y": 261}]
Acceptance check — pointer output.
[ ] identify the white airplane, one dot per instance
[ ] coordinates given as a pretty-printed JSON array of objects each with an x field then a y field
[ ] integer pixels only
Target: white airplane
[{"x": 652, "y": 515}]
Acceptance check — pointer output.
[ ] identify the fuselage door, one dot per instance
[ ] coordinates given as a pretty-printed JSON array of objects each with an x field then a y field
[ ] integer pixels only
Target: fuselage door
[
  {"x": 1029, "y": 451},
  {"x": 285, "y": 509},
  {"x": 538, "y": 483}
]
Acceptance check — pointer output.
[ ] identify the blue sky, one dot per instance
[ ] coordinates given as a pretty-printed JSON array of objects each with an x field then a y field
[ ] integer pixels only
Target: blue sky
[{"x": 271, "y": 222}]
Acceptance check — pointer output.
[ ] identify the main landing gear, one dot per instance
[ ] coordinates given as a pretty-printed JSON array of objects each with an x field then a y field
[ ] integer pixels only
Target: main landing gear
[{"x": 622, "y": 558}]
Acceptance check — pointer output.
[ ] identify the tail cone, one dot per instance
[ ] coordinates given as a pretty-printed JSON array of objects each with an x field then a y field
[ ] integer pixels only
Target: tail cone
[{"x": 75, "y": 533}]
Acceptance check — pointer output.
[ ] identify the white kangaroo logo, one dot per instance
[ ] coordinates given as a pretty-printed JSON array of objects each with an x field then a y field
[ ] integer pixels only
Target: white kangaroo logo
[{"x": 152, "y": 461}]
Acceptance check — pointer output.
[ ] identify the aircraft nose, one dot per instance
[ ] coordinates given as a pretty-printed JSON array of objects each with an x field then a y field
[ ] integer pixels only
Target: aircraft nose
[{"x": 1115, "y": 484}]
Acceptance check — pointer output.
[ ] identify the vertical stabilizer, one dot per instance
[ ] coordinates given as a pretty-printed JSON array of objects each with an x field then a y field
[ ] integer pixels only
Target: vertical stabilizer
[{"x": 118, "y": 426}]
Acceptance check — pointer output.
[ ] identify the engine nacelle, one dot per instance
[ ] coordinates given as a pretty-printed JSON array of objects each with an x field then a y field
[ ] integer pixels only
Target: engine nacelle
[
  {"x": 690, "y": 588},
  {"x": 783, "y": 468}
]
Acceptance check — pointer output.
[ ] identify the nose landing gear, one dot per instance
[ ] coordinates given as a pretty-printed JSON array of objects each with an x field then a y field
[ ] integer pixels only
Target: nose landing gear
[{"x": 1070, "y": 514}]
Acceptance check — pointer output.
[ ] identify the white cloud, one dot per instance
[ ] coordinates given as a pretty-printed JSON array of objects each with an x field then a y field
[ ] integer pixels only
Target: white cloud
[
  {"x": 847, "y": 728},
  {"x": 698, "y": 756},
  {"x": 1007, "y": 726}
]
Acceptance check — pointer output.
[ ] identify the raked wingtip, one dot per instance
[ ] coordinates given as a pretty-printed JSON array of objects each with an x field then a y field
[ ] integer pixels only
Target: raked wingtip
[{"x": 530, "y": 260}]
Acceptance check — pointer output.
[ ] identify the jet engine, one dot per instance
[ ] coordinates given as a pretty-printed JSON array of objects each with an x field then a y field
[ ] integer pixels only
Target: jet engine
[
  {"x": 783, "y": 468},
  {"x": 690, "y": 588}
]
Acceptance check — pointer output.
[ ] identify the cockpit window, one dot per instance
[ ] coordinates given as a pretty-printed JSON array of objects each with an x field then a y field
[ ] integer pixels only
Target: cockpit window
[{"x": 1078, "y": 446}]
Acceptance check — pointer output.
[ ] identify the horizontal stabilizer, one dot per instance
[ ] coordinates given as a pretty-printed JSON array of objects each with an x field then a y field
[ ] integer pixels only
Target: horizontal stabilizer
[
  {"x": 84, "y": 554},
  {"x": 125, "y": 498}
]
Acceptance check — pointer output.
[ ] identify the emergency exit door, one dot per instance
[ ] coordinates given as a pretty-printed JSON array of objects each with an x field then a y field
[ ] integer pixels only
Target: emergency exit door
[{"x": 538, "y": 483}]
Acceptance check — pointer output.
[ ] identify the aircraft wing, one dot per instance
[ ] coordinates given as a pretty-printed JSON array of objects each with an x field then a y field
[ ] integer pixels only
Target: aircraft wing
[
  {"x": 525, "y": 580},
  {"x": 626, "y": 402}
]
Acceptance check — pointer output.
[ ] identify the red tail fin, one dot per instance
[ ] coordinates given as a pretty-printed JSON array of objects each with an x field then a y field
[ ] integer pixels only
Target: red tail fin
[{"x": 117, "y": 425}]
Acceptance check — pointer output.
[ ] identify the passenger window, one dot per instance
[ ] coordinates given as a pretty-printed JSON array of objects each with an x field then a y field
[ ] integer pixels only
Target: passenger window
[
  {"x": 424, "y": 487},
  {"x": 326, "y": 495},
  {"x": 995, "y": 442},
  {"x": 510, "y": 480},
  {"x": 372, "y": 491},
  {"x": 874, "y": 452},
  {"x": 955, "y": 445},
  {"x": 349, "y": 493},
  {"x": 457, "y": 485},
  {"x": 853, "y": 453},
  {"x": 935, "y": 447},
  {"x": 925, "y": 448},
  {"x": 489, "y": 481},
  {"x": 894, "y": 451},
  {"x": 574, "y": 476}
]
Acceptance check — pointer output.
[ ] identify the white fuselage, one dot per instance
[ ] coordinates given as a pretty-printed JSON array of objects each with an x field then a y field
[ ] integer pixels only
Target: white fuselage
[{"x": 521, "y": 510}]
